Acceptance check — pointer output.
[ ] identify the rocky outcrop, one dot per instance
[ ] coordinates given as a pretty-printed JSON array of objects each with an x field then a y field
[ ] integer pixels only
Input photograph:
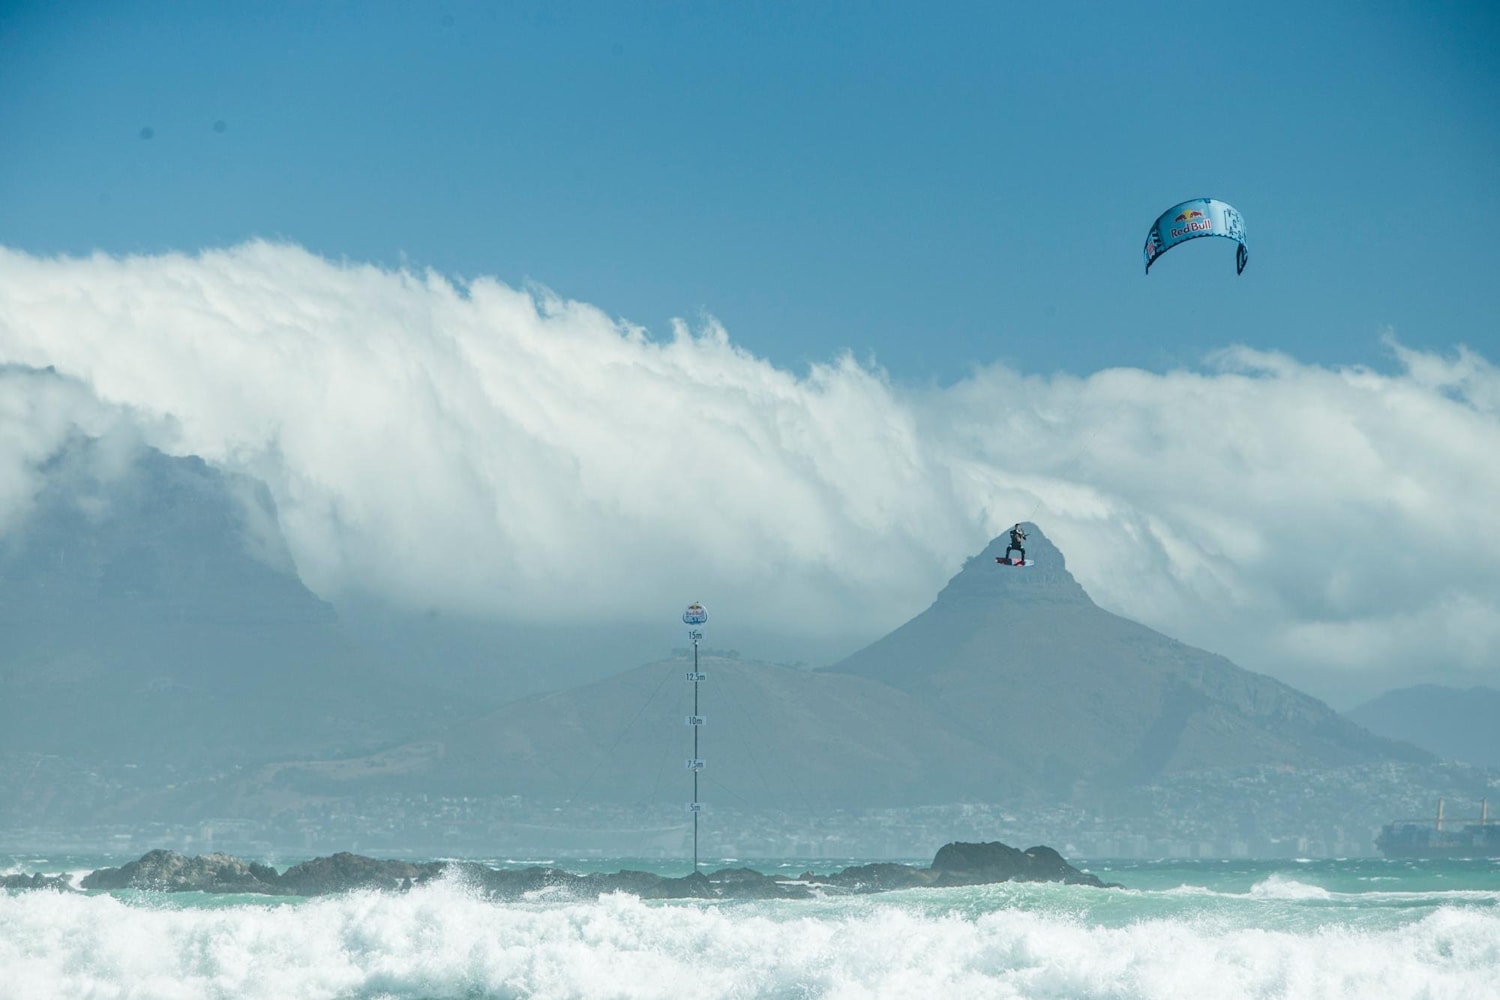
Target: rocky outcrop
[
  {"x": 962, "y": 864},
  {"x": 57, "y": 883},
  {"x": 554, "y": 883},
  {"x": 981, "y": 864},
  {"x": 956, "y": 864},
  {"x": 883, "y": 877},
  {"x": 168, "y": 871},
  {"x": 344, "y": 872}
]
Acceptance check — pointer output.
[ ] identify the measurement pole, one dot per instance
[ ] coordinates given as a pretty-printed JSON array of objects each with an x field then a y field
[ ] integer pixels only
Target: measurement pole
[
  {"x": 696, "y": 758},
  {"x": 694, "y": 616}
]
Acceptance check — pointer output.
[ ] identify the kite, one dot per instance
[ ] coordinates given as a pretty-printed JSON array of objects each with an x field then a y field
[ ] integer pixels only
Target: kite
[{"x": 1192, "y": 219}]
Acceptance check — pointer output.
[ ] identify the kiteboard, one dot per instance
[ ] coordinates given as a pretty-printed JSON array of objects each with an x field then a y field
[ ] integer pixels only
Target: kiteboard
[{"x": 1015, "y": 562}]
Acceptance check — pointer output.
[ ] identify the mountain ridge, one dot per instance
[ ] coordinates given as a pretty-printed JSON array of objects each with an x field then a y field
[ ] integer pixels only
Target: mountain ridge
[
  {"x": 1013, "y": 685},
  {"x": 1134, "y": 703},
  {"x": 153, "y": 621},
  {"x": 202, "y": 649},
  {"x": 1456, "y": 724}
]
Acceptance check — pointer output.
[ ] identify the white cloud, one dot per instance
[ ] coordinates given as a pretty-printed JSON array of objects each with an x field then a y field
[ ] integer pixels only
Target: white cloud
[
  {"x": 40, "y": 415},
  {"x": 498, "y": 450}
]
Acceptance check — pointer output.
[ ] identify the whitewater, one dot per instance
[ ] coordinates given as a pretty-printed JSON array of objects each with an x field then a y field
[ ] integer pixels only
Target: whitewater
[{"x": 1241, "y": 930}]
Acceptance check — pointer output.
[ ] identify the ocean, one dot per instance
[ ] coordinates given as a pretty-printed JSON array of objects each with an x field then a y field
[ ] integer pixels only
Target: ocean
[{"x": 1356, "y": 929}]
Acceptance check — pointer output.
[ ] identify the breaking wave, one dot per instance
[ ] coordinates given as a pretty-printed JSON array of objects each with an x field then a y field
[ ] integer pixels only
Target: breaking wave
[{"x": 443, "y": 941}]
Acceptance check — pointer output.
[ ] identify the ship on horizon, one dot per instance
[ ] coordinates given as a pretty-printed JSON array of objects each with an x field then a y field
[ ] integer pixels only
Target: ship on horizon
[{"x": 1442, "y": 838}]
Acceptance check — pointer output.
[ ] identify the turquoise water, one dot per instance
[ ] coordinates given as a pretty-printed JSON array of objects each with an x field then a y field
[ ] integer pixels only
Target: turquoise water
[{"x": 1359, "y": 928}]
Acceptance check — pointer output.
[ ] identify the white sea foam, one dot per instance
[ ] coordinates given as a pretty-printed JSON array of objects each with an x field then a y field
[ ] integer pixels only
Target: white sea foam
[
  {"x": 1281, "y": 887},
  {"x": 1191, "y": 890},
  {"x": 442, "y": 941}
]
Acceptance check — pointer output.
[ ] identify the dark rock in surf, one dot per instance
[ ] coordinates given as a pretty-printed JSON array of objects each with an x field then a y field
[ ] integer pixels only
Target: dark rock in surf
[
  {"x": 956, "y": 864},
  {"x": 344, "y": 872},
  {"x": 168, "y": 871},
  {"x": 880, "y": 877},
  {"x": 56, "y": 883},
  {"x": 513, "y": 883},
  {"x": 981, "y": 864},
  {"x": 747, "y": 883},
  {"x": 694, "y": 886},
  {"x": 546, "y": 882}
]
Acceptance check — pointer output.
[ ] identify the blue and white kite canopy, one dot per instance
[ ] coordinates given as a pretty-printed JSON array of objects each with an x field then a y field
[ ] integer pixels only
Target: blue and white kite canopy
[{"x": 1192, "y": 219}]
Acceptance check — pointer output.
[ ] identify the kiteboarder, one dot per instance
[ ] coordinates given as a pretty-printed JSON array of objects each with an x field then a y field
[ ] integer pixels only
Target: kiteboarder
[{"x": 1017, "y": 540}]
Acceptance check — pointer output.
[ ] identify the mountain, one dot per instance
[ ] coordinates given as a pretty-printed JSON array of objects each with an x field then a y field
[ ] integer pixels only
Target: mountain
[
  {"x": 151, "y": 620},
  {"x": 1452, "y": 723},
  {"x": 772, "y": 736},
  {"x": 1013, "y": 686},
  {"x": 1021, "y": 661}
]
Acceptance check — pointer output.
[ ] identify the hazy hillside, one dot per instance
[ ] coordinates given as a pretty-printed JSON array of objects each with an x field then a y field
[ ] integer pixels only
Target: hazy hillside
[
  {"x": 1452, "y": 723},
  {"x": 1012, "y": 685},
  {"x": 1023, "y": 662},
  {"x": 773, "y": 736},
  {"x": 150, "y": 618}
]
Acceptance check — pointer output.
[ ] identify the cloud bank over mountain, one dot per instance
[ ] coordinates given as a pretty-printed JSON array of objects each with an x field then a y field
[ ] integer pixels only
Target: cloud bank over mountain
[{"x": 477, "y": 448}]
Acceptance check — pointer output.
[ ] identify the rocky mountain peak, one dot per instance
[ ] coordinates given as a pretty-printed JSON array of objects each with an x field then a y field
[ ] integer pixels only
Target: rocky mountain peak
[{"x": 984, "y": 583}]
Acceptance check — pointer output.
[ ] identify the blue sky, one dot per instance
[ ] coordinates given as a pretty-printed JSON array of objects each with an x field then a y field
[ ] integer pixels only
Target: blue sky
[{"x": 928, "y": 186}]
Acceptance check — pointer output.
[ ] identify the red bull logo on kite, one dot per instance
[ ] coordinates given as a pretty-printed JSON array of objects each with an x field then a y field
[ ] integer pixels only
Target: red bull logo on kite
[{"x": 1192, "y": 221}]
